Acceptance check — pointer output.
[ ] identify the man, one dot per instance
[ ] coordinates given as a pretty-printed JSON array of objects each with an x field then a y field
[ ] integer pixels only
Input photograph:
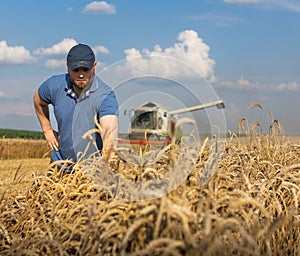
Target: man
[{"x": 77, "y": 97}]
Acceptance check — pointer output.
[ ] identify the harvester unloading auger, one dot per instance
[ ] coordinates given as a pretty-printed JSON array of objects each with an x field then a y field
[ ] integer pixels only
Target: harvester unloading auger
[{"x": 151, "y": 124}]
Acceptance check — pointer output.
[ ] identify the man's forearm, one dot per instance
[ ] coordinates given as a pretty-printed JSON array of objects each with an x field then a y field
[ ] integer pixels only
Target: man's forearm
[
  {"x": 109, "y": 135},
  {"x": 42, "y": 112},
  {"x": 109, "y": 143}
]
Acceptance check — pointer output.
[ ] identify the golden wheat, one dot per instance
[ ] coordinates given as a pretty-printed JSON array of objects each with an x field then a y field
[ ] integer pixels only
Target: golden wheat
[
  {"x": 255, "y": 105},
  {"x": 250, "y": 206}
]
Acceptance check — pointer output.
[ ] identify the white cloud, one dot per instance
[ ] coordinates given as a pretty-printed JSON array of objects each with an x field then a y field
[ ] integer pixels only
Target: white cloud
[
  {"x": 189, "y": 52},
  {"x": 289, "y": 5},
  {"x": 101, "y": 49},
  {"x": 60, "y": 48},
  {"x": 244, "y": 83},
  {"x": 241, "y": 83},
  {"x": 226, "y": 84},
  {"x": 55, "y": 63},
  {"x": 292, "y": 86},
  {"x": 63, "y": 47},
  {"x": 100, "y": 8},
  {"x": 293, "y": 6},
  {"x": 14, "y": 54}
]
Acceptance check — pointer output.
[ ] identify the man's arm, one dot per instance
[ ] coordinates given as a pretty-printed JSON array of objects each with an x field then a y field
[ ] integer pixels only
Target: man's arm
[
  {"x": 42, "y": 112},
  {"x": 109, "y": 133}
]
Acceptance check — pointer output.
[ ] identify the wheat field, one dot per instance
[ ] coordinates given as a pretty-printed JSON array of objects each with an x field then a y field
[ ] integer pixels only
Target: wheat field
[{"x": 250, "y": 206}]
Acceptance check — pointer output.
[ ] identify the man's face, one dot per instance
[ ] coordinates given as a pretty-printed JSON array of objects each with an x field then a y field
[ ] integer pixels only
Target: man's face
[{"x": 82, "y": 77}]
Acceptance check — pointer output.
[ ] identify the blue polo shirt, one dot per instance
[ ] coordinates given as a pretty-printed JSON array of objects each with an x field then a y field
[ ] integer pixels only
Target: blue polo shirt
[{"x": 75, "y": 116}]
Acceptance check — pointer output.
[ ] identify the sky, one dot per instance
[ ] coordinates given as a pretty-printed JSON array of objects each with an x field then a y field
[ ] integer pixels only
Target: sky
[{"x": 240, "y": 51}]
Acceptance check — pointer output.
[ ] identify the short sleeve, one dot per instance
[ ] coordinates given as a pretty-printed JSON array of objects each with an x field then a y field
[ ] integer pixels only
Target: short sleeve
[
  {"x": 44, "y": 92},
  {"x": 109, "y": 105}
]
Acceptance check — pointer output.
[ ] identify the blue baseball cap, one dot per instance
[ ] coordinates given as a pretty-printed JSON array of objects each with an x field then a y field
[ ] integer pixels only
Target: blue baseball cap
[{"x": 81, "y": 56}]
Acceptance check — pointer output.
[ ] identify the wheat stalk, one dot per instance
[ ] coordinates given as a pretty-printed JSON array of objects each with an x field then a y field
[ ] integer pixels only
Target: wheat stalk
[{"x": 255, "y": 105}]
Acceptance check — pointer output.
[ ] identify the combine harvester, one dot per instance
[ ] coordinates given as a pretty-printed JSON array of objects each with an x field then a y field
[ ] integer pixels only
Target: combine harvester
[{"x": 153, "y": 125}]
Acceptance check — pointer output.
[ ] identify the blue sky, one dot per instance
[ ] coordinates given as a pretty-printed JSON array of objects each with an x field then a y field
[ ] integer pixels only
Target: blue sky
[{"x": 248, "y": 50}]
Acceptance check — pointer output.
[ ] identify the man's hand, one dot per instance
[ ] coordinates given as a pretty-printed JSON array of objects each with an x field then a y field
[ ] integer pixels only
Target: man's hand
[{"x": 51, "y": 137}]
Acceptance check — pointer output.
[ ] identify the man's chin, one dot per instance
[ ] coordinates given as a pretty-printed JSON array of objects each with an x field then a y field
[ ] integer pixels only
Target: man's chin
[{"x": 81, "y": 85}]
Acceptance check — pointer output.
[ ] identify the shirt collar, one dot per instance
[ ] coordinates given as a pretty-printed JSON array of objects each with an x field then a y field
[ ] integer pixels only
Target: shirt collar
[{"x": 69, "y": 88}]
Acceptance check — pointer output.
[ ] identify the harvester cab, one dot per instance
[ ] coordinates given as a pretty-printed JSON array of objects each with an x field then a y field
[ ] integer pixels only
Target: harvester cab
[{"x": 152, "y": 124}]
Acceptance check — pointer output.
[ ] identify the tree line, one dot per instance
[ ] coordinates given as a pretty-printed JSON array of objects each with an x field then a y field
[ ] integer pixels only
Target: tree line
[{"x": 23, "y": 134}]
